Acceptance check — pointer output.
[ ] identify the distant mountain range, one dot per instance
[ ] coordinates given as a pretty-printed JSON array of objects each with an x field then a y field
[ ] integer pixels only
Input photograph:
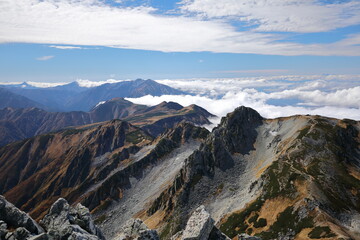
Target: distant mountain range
[
  {"x": 73, "y": 97},
  {"x": 17, "y": 124}
]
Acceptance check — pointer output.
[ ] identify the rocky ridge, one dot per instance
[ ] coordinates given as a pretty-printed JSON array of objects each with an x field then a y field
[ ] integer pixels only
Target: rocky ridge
[
  {"x": 286, "y": 178},
  {"x": 17, "y": 124}
]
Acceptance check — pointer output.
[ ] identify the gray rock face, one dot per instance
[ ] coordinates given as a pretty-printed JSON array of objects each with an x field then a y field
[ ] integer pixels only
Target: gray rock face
[
  {"x": 137, "y": 230},
  {"x": 62, "y": 222},
  {"x": 65, "y": 221},
  {"x": 21, "y": 233},
  {"x": 199, "y": 225},
  {"x": 11, "y": 216}
]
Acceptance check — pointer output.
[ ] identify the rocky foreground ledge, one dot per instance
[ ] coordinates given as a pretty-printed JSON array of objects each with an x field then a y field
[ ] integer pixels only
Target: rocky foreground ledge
[
  {"x": 75, "y": 223},
  {"x": 62, "y": 222}
]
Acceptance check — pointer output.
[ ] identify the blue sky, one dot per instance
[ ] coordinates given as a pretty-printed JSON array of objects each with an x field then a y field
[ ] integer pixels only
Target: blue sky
[{"x": 65, "y": 40}]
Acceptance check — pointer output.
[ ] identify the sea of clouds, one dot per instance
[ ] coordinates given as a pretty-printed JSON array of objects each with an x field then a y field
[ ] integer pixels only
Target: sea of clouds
[{"x": 328, "y": 95}]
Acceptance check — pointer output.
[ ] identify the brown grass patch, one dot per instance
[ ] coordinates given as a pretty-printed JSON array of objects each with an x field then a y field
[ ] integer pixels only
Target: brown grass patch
[
  {"x": 271, "y": 209},
  {"x": 303, "y": 235}
]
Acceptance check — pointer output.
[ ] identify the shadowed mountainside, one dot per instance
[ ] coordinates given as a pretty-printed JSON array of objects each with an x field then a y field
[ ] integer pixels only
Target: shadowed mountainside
[{"x": 9, "y": 99}]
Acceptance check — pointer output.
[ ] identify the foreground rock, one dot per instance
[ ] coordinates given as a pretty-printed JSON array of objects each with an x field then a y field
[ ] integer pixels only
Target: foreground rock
[
  {"x": 13, "y": 218},
  {"x": 200, "y": 226},
  {"x": 137, "y": 230},
  {"x": 62, "y": 222}
]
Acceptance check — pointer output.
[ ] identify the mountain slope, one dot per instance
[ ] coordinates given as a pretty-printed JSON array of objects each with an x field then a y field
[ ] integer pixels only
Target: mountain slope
[
  {"x": 286, "y": 178},
  {"x": 18, "y": 124},
  {"x": 73, "y": 97},
  {"x": 9, "y": 99},
  {"x": 136, "y": 88},
  {"x": 36, "y": 170},
  {"x": 96, "y": 165},
  {"x": 296, "y": 177}
]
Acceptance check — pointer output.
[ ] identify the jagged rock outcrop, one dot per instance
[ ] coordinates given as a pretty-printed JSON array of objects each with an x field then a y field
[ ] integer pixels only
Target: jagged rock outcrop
[
  {"x": 135, "y": 229},
  {"x": 12, "y": 217},
  {"x": 287, "y": 178},
  {"x": 62, "y": 222},
  {"x": 200, "y": 226}
]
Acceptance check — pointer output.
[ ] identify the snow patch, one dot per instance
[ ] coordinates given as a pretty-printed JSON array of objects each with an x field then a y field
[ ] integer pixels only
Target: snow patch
[{"x": 100, "y": 103}]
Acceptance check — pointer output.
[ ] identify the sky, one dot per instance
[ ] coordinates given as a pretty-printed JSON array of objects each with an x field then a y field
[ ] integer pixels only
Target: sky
[
  {"x": 281, "y": 57},
  {"x": 65, "y": 40}
]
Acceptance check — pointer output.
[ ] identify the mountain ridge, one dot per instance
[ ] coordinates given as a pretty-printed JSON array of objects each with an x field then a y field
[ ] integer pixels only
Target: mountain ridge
[
  {"x": 21, "y": 123},
  {"x": 73, "y": 97}
]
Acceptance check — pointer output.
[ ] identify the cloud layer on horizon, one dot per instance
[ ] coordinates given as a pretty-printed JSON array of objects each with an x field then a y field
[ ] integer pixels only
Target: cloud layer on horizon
[
  {"x": 273, "y": 96},
  {"x": 96, "y": 23},
  {"x": 333, "y": 96}
]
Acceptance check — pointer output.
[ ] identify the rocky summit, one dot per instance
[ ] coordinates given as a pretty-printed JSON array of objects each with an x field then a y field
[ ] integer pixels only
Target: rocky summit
[{"x": 253, "y": 178}]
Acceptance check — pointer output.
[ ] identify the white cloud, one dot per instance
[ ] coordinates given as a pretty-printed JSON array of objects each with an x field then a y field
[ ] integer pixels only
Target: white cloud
[
  {"x": 281, "y": 15},
  {"x": 94, "y": 23},
  {"x": 65, "y": 47},
  {"x": 220, "y": 86},
  {"x": 256, "y": 71},
  {"x": 229, "y": 102},
  {"x": 89, "y": 84},
  {"x": 44, "y": 58},
  {"x": 333, "y": 95}
]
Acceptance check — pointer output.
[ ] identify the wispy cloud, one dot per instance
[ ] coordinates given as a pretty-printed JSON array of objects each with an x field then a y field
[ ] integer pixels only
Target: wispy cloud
[
  {"x": 281, "y": 15},
  {"x": 70, "y": 47},
  {"x": 44, "y": 58},
  {"x": 257, "y": 71},
  {"x": 65, "y": 47},
  {"x": 95, "y": 23}
]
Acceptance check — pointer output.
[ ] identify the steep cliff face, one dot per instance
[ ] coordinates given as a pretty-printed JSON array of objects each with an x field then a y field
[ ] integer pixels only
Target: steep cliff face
[
  {"x": 286, "y": 178},
  {"x": 153, "y": 168}
]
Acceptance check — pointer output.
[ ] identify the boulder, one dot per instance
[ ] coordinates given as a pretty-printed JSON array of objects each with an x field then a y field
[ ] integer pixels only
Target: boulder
[
  {"x": 42, "y": 236},
  {"x": 137, "y": 230},
  {"x": 64, "y": 221},
  {"x": 21, "y": 233},
  {"x": 3, "y": 229},
  {"x": 199, "y": 225},
  {"x": 15, "y": 218}
]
